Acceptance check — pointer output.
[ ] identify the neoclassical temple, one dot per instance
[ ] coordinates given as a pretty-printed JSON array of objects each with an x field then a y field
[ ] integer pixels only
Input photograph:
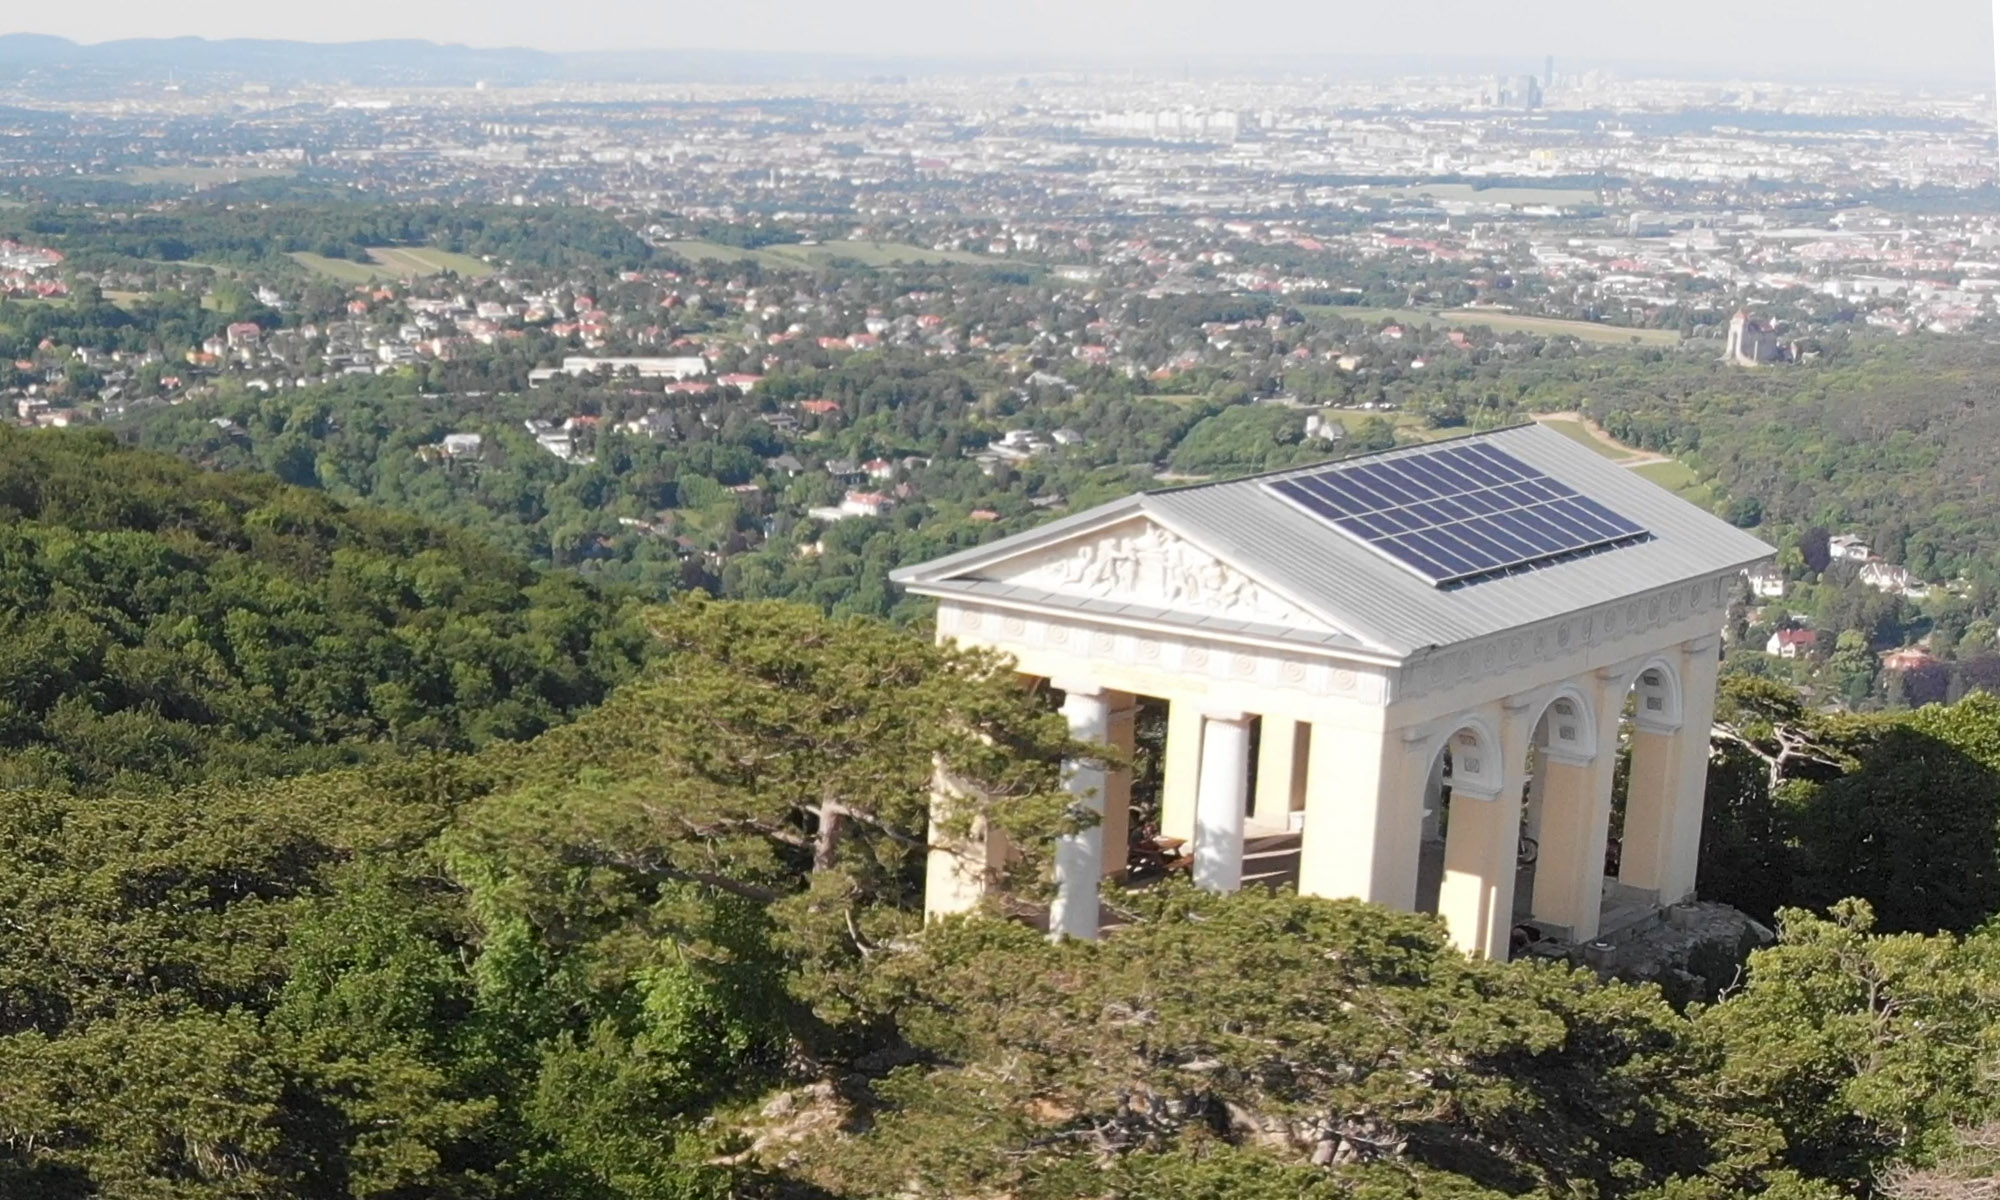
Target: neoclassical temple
[{"x": 1414, "y": 668}]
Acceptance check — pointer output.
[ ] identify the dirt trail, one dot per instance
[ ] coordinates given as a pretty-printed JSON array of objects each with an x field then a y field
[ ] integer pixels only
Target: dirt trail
[{"x": 1633, "y": 457}]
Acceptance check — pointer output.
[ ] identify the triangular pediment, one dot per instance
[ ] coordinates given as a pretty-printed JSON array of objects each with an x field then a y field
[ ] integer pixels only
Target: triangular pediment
[{"x": 1140, "y": 562}]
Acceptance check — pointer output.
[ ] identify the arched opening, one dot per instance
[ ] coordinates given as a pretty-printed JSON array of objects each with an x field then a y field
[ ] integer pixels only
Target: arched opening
[
  {"x": 1643, "y": 786},
  {"x": 1591, "y": 796},
  {"x": 1562, "y": 813},
  {"x": 1466, "y": 763}
]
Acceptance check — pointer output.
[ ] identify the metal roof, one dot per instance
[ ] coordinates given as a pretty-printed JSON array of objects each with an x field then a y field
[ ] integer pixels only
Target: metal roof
[{"x": 1385, "y": 607}]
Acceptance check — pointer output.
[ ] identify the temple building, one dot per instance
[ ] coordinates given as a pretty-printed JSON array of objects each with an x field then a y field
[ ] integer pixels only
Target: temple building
[{"x": 1408, "y": 671}]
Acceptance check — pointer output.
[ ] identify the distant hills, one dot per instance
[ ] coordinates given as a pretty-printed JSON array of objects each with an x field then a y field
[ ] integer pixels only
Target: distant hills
[
  {"x": 63, "y": 62},
  {"x": 56, "y": 65}
]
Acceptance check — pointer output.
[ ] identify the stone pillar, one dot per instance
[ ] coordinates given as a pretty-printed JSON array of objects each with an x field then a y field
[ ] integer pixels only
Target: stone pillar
[
  {"x": 1225, "y": 787},
  {"x": 1364, "y": 816},
  {"x": 1669, "y": 780},
  {"x": 1181, "y": 781},
  {"x": 1122, "y": 736},
  {"x": 957, "y": 870},
  {"x": 1281, "y": 771},
  {"x": 1575, "y": 824},
  {"x": 1080, "y": 855},
  {"x": 1652, "y": 789},
  {"x": 1476, "y": 898}
]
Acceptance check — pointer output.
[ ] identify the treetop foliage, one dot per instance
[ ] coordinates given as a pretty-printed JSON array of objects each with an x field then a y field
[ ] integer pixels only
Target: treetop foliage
[{"x": 168, "y": 622}]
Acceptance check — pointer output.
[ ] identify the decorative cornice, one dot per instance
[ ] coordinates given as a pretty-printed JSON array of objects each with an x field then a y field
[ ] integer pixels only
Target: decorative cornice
[
  {"x": 1550, "y": 641},
  {"x": 1024, "y": 627},
  {"x": 1086, "y": 639}
]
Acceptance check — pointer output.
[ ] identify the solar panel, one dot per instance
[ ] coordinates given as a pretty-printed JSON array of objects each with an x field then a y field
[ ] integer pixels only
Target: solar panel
[{"x": 1460, "y": 515}]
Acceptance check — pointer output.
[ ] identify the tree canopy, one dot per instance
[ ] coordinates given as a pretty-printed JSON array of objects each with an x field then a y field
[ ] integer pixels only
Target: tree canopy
[{"x": 163, "y": 621}]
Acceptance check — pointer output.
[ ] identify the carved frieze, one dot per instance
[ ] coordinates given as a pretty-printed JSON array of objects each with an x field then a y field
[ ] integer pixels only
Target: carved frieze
[{"x": 1141, "y": 563}]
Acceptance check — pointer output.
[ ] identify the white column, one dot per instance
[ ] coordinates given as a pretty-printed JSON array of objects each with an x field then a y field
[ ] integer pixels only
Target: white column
[
  {"x": 1476, "y": 898},
  {"x": 1669, "y": 781},
  {"x": 1281, "y": 767},
  {"x": 1700, "y": 665},
  {"x": 1364, "y": 816},
  {"x": 1225, "y": 788},
  {"x": 1080, "y": 855},
  {"x": 959, "y": 867},
  {"x": 1575, "y": 824},
  {"x": 1181, "y": 770}
]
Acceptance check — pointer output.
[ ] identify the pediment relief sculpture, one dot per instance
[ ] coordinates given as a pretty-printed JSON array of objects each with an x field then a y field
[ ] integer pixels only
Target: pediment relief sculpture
[{"x": 1144, "y": 564}]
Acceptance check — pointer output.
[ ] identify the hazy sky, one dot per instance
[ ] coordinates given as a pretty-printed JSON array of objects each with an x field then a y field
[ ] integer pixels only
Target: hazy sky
[{"x": 1900, "y": 40}]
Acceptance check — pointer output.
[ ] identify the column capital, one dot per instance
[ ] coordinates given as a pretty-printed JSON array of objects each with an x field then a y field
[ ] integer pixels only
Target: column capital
[
  {"x": 1706, "y": 644},
  {"x": 1517, "y": 704},
  {"x": 1077, "y": 687},
  {"x": 1226, "y": 716}
]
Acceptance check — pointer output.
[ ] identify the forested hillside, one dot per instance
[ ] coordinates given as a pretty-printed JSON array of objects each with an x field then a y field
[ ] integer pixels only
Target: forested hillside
[
  {"x": 168, "y": 622},
  {"x": 673, "y": 949},
  {"x": 1893, "y": 440}
]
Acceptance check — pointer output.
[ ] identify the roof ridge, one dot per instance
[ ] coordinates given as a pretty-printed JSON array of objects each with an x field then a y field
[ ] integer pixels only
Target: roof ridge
[{"x": 1280, "y": 472}]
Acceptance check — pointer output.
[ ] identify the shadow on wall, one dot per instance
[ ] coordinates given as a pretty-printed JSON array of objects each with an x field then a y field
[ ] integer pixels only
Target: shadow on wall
[{"x": 1907, "y": 818}]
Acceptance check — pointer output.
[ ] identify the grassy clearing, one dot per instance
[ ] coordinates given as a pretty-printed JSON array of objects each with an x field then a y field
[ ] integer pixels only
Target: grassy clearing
[
  {"x": 1583, "y": 434},
  {"x": 408, "y": 261},
  {"x": 1679, "y": 478},
  {"x": 1585, "y": 331},
  {"x": 393, "y": 262},
  {"x": 695, "y": 250},
  {"x": 1503, "y": 322},
  {"x": 881, "y": 254},
  {"x": 343, "y": 269},
  {"x": 795, "y": 257}
]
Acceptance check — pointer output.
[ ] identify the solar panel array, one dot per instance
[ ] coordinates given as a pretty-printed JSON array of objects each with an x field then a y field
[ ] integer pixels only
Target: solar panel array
[{"x": 1460, "y": 515}]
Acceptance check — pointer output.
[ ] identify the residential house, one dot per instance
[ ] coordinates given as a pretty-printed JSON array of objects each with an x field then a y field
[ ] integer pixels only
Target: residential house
[
  {"x": 1894, "y": 580},
  {"x": 1909, "y": 658},
  {"x": 1767, "y": 581},
  {"x": 866, "y": 504},
  {"x": 1791, "y": 643}
]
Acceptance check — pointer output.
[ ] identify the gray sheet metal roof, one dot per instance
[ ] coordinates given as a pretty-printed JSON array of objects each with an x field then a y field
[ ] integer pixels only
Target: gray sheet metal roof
[{"x": 1384, "y": 605}]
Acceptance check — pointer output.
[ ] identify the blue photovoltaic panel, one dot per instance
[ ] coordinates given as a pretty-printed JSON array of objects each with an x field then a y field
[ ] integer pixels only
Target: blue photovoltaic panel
[{"x": 1459, "y": 515}]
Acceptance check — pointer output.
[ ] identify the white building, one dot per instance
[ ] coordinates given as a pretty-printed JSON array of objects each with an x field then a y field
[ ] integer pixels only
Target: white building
[
  {"x": 1791, "y": 643},
  {"x": 1848, "y": 547},
  {"x": 692, "y": 366},
  {"x": 1450, "y": 630},
  {"x": 1767, "y": 581},
  {"x": 1896, "y": 581}
]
